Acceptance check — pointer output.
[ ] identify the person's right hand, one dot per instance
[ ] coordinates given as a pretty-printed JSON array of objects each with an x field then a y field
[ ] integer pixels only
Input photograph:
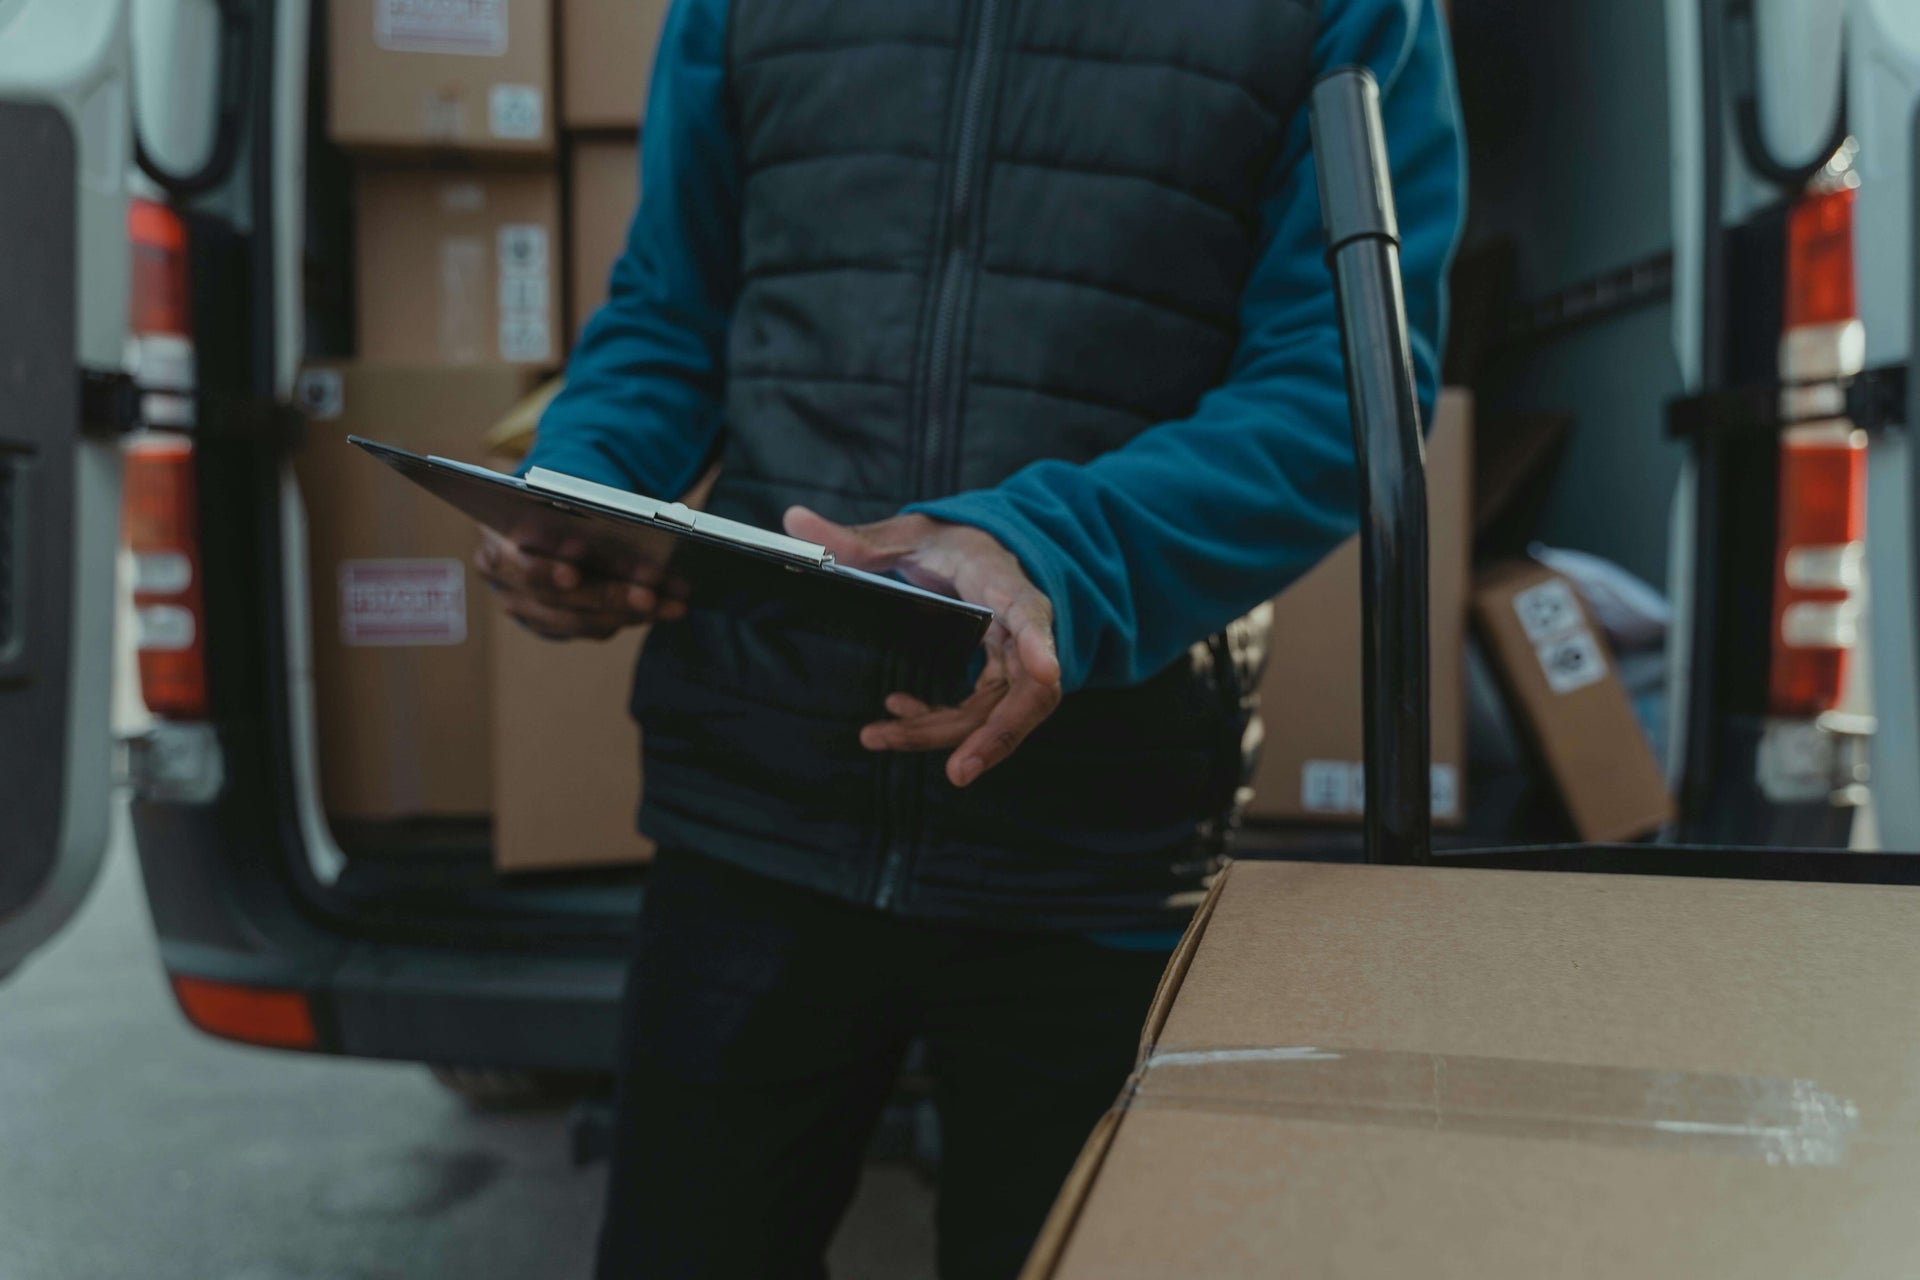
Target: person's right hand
[{"x": 555, "y": 598}]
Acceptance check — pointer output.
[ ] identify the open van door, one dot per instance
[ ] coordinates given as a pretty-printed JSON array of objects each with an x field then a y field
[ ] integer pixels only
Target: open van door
[
  {"x": 65, "y": 151},
  {"x": 1883, "y": 77}
]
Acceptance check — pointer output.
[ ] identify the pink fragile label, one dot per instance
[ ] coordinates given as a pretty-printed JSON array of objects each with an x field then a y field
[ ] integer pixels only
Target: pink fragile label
[{"x": 399, "y": 602}]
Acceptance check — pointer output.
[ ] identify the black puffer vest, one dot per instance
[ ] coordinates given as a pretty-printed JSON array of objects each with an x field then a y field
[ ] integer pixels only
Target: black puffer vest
[{"x": 976, "y": 233}]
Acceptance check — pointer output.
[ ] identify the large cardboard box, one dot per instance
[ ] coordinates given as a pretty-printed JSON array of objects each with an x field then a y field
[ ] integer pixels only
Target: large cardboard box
[
  {"x": 566, "y": 754},
  {"x": 472, "y": 75},
  {"x": 1310, "y": 764},
  {"x": 400, "y": 641},
  {"x": 1560, "y": 674},
  {"x": 1381, "y": 1072},
  {"x": 604, "y": 190},
  {"x": 606, "y": 60},
  {"x": 457, "y": 268}
]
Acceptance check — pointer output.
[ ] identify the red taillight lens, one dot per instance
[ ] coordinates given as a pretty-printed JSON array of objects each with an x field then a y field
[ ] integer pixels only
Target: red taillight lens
[
  {"x": 159, "y": 287},
  {"x": 1820, "y": 260},
  {"x": 161, "y": 522},
  {"x": 1817, "y": 571},
  {"x": 255, "y": 1015}
]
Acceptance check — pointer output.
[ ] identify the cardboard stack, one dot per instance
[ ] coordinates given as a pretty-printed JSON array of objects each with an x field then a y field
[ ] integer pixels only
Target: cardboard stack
[
  {"x": 400, "y": 627},
  {"x": 606, "y": 61},
  {"x": 460, "y": 118}
]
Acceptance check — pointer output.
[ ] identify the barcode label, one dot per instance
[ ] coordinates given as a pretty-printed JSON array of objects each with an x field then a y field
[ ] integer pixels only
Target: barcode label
[{"x": 1340, "y": 786}]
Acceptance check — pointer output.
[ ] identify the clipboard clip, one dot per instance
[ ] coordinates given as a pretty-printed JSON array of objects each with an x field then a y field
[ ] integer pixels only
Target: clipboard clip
[{"x": 678, "y": 516}]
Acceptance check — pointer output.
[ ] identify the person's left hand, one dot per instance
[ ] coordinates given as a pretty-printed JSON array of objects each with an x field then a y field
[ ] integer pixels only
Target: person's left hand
[{"x": 1020, "y": 684}]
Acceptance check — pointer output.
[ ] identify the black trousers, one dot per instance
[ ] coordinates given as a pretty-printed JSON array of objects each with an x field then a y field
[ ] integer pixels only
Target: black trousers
[{"x": 764, "y": 1028}]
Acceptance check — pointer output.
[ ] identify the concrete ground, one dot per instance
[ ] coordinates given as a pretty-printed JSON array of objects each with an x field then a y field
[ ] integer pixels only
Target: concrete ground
[{"x": 132, "y": 1148}]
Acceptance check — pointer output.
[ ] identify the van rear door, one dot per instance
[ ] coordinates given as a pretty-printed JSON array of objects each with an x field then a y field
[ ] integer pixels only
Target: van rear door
[{"x": 64, "y": 150}]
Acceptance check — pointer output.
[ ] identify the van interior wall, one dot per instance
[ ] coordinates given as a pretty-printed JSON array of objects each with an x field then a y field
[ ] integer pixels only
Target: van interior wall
[{"x": 1566, "y": 115}]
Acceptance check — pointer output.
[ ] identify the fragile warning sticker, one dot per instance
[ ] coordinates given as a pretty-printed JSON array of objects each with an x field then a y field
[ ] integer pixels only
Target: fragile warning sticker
[{"x": 403, "y": 602}]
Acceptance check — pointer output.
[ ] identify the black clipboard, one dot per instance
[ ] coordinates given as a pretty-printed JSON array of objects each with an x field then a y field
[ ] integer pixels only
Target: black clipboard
[{"x": 733, "y": 566}]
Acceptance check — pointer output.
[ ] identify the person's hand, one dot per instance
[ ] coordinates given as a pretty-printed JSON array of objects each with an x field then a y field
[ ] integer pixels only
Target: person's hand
[
  {"x": 1020, "y": 684},
  {"x": 554, "y": 597}
]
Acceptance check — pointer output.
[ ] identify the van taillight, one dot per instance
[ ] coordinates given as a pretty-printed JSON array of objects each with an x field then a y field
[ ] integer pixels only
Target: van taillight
[
  {"x": 159, "y": 285},
  {"x": 253, "y": 1015},
  {"x": 161, "y": 522},
  {"x": 1820, "y": 552}
]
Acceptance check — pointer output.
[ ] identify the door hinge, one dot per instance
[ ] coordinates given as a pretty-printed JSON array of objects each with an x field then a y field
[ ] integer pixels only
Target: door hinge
[{"x": 172, "y": 762}]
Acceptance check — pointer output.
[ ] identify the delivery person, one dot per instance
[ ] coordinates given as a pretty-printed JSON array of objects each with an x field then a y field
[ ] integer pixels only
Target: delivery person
[{"x": 1023, "y": 300}]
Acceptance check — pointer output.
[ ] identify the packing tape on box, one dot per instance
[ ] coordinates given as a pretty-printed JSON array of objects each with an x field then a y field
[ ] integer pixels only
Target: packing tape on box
[{"x": 1782, "y": 1122}]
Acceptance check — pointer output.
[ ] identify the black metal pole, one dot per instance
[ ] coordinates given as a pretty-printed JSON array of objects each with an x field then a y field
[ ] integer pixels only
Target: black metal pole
[{"x": 1363, "y": 252}]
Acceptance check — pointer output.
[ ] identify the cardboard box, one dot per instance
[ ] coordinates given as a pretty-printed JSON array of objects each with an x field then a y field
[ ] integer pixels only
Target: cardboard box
[
  {"x": 457, "y": 269},
  {"x": 566, "y": 754},
  {"x": 472, "y": 75},
  {"x": 1560, "y": 675},
  {"x": 1310, "y": 702},
  {"x": 1389, "y": 1071},
  {"x": 606, "y": 60},
  {"x": 604, "y": 190},
  {"x": 400, "y": 641}
]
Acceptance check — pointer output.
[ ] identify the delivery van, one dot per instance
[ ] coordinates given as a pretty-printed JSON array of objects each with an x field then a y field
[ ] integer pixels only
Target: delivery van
[{"x": 1693, "y": 229}]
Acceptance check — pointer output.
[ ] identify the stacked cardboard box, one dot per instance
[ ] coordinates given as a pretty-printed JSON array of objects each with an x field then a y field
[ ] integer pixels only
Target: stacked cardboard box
[
  {"x": 400, "y": 638},
  {"x": 432, "y": 705},
  {"x": 606, "y": 61},
  {"x": 1310, "y": 761}
]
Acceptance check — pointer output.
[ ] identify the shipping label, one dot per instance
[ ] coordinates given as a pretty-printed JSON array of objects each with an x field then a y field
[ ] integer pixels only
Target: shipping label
[
  {"x": 1569, "y": 653},
  {"x": 1548, "y": 609},
  {"x": 1572, "y": 661},
  {"x": 514, "y": 111},
  {"x": 477, "y": 27},
  {"x": 525, "y": 290},
  {"x": 403, "y": 602},
  {"x": 1340, "y": 786}
]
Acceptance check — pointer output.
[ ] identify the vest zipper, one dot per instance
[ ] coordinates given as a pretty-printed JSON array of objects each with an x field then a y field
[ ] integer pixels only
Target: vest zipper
[
  {"x": 959, "y": 248},
  {"x": 937, "y": 429}
]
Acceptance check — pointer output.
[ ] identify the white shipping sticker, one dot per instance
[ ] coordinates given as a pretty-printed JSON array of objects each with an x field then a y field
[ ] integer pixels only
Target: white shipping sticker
[
  {"x": 1333, "y": 786},
  {"x": 525, "y": 338},
  {"x": 403, "y": 602},
  {"x": 524, "y": 292},
  {"x": 477, "y": 27},
  {"x": 1340, "y": 786},
  {"x": 1548, "y": 609},
  {"x": 521, "y": 250},
  {"x": 513, "y": 111},
  {"x": 1572, "y": 661},
  {"x": 523, "y": 295},
  {"x": 1445, "y": 791},
  {"x": 321, "y": 394}
]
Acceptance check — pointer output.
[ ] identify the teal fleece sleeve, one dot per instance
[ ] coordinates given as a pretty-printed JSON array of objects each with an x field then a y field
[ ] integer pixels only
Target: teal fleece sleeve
[
  {"x": 642, "y": 405},
  {"x": 1153, "y": 546}
]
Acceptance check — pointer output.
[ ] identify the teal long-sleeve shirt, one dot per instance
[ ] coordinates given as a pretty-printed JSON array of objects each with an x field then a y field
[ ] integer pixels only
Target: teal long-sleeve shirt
[{"x": 1148, "y": 548}]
